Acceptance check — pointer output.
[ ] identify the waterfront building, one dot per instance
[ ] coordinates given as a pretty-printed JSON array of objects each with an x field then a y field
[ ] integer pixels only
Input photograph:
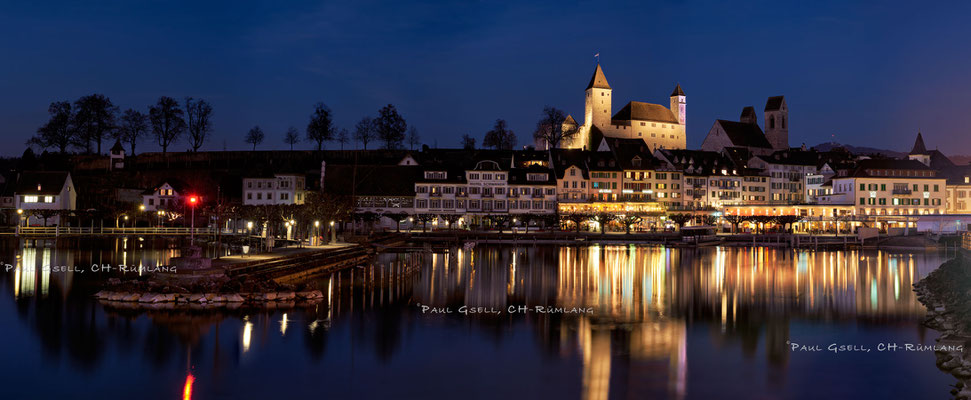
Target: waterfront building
[
  {"x": 656, "y": 125},
  {"x": 957, "y": 197},
  {"x": 274, "y": 189},
  {"x": 788, "y": 171},
  {"x": 931, "y": 158},
  {"x": 164, "y": 196},
  {"x": 572, "y": 175},
  {"x": 44, "y": 190},
  {"x": 704, "y": 178},
  {"x": 889, "y": 187}
]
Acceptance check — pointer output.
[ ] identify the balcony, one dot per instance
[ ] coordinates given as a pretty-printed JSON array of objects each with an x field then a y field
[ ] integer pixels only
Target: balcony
[{"x": 902, "y": 191}]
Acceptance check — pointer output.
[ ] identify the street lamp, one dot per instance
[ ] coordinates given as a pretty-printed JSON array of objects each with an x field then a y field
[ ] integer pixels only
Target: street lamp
[
  {"x": 192, "y": 206},
  {"x": 333, "y": 234}
]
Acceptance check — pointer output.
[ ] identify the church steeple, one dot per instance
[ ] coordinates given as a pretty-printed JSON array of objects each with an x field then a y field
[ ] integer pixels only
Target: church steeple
[
  {"x": 919, "y": 147},
  {"x": 598, "y": 80}
]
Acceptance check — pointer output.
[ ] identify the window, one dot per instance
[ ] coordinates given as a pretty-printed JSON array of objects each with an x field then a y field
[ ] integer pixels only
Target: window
[{"x": 249, "y": 196}]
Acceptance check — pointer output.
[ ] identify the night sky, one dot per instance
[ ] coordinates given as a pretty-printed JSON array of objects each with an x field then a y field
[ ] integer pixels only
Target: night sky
[{"x": 870, "y": 74}]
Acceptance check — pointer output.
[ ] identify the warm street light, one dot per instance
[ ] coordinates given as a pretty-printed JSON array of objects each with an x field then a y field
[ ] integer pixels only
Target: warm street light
[
  {"x": 316, "y": 223},
  {"x": 192, "y": 225},
  {"x": 141, "y": 207},
  {"x": 20, "y": 211}
]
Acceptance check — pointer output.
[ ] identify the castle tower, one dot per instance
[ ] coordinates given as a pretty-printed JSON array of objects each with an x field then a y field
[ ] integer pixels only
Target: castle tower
[
  {"x": 597, "y": 110},
  {"x": 777, "y": 122},
  {"x": 678, "y": 104}
]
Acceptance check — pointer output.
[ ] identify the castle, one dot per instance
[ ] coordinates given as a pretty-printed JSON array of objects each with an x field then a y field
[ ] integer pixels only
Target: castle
[{"x": 656, "y": 125}]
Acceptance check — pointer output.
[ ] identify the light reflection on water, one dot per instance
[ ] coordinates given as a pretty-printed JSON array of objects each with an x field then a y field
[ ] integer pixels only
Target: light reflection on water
[{"x": 664, "y": 324}]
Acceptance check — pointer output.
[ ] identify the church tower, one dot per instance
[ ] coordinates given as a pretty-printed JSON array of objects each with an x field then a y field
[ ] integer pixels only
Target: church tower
[
  {"x": 777, "y": 122},
  {"x": 597, "y": 111},
  {"x": 678, "y": 104}
]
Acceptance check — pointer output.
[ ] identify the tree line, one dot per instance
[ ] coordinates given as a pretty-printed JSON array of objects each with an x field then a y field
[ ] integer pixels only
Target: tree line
[{"x": 88, "y": 122}]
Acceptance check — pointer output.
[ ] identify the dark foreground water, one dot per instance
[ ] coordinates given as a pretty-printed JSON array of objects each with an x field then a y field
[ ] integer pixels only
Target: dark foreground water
[{"x": 655, "y": 323}]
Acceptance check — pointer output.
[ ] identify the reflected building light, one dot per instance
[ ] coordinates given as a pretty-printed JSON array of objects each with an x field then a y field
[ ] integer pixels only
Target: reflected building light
[
  {"x": 283, "y": 325},
  {"x": 247, "y": 335}
]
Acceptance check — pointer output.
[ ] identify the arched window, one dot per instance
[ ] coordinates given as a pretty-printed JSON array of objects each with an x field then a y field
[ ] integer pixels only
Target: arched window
[
  {"x": 783, "y": 122},
  {"x": 772, "y": 123}
]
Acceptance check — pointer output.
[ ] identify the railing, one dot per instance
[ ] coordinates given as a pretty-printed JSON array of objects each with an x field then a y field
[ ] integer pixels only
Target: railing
[
  {"x": 72, "y": 230},
  {"x": 904, "y": 191}
]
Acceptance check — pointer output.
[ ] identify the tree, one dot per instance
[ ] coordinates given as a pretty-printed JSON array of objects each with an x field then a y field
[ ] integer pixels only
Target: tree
[
  {"x": 500, "y": 137},
  {"x": 292, "y": 137},
  {"x": 451, "y": 219},
  {"x": 549, "y": 129},
  {"x": 390, "y": 127},
  {"x": 734, "y": 220},
  {"x": 398, "y": 218},
  {"x": 320, "y": 129},
  {"x": 576, "y": 218},
  {"x": 132, "y": 126},
  {"x": 58, "y": 132},
  {"x": 680, "y": 219},
  {"x": 199, "y": 121},
  {"x": 413, "y": 138},
  {"x": 629, "y": 220},
  {"x": 603, "y": 218},
  {"x": 784, "y": 220},
  {"x": 498, "y": 220},
  {"x": 255, "y": 136},
  {"x": 424, "y": 219},
  {"x": 364, "y": 131},
  {"x": 94, "y": 119},
  {"x": 468, "y": 142},
  {"x": 343, "y": 137},
  {"x": 167, "y": 121}
]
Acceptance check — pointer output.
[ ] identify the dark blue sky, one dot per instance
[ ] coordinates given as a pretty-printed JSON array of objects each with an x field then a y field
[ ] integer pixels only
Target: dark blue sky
[{"x": 869, "y": 73}]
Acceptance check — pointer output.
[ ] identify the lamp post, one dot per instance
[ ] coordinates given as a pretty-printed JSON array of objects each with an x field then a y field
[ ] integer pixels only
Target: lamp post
[
  {"x": 333, "y": 233},
  {"x": 192, "y": 225},
  {"x": 316, "y": 232}
]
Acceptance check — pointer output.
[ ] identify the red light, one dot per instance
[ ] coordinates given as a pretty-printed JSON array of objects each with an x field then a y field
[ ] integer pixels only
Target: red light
[{"x": 193, "y": 199}]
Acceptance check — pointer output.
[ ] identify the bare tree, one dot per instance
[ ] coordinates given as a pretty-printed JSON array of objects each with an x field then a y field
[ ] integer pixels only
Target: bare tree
[
  {"x": 343, "y": 137},
  {"x": 94, "y": 119},
  {"x": 167, "y": 122},
  {"x": 413, "y": 138},
  {"x": 500, "y": 137},
  {"x": 390, "y": 127},
  {"x": 292, "y": 137},
  {"x": 58, "y": 132},
  {"x": 199, "y": 116},
  {"x": 550, "y": 128},
  {"x": 255, "y": 136},
  {"x": 364, "y": 131},
  {"x": 133, "y": 126},
  {"x": 321, "y": 126},
  {"x": 468, "y": 142}
]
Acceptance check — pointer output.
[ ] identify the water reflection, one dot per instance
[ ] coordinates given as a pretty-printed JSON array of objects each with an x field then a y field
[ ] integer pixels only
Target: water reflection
[{"x": 652, "y": 308}]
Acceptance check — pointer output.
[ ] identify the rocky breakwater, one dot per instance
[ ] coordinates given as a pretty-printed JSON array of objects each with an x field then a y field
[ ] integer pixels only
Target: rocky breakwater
[
  {"x": 946, "y": 293},
  {"x": 215, "y": 293}
]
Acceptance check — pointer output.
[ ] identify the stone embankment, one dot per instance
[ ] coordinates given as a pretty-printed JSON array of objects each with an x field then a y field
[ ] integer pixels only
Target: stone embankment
[
  {"x": 946, "y": 293},
  {"x": 213, "y": 293}
]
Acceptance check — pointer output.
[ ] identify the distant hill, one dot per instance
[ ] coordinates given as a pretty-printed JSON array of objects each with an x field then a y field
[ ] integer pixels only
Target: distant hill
[
  {"x": 860, "y": 149},
  {"x": 956, "y": 159}
]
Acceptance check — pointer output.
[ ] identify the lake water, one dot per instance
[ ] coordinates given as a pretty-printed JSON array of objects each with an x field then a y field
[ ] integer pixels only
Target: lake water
[{"x": 638, "y": 322}]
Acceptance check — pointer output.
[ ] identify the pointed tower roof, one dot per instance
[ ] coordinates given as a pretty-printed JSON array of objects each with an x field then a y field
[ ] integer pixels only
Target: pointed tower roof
[
  {"x": 919, "y": 147},
  {"x": 569, "y": 120},
  {"x": 117, "y": 148},
  {"x": 598, "y": 80},
  {"x": 775, "y": 103},
  {"x": 677, "y": 91}
]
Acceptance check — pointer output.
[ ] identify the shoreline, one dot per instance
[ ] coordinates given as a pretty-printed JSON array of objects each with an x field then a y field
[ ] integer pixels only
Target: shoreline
[{"x": 946, "y": 293}]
